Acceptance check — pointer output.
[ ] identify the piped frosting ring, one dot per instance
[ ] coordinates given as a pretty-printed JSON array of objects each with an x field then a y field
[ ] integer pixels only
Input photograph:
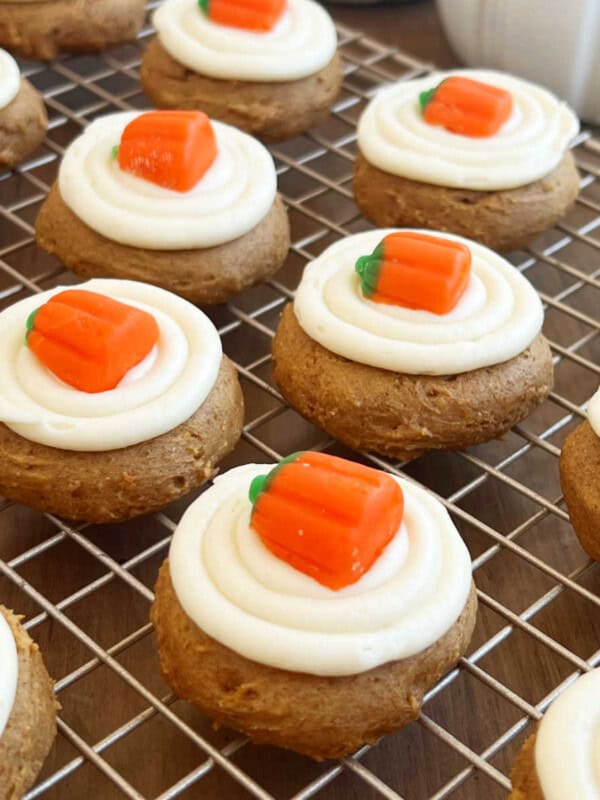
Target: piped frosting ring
[
  {"x": 239, "y": 593},
  {"x": 594, "y": 413},
  {"x": 497, "y": 318},
  {"x": 302, "y": 42},
  {"x": 234, "y": 195},
  {"x": 10, "y": 79},
  {"x": 394, "y": 136},
  {"x": 155, "y": 397},
  {"x": 9, "y": 672},
  {"x": 567, "y": 747}
]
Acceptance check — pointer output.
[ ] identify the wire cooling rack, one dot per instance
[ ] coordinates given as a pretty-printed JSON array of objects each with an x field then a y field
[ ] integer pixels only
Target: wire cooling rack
[{"x": 86, "y": 590}]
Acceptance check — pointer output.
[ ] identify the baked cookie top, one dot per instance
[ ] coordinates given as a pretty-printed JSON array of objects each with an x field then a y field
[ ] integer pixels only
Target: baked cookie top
[
  {"x": 395, "y": 135},
  {"x": 302, "y": 42},
  {"x": 233, "y": 195},
  {"x": 262, "y": 587},
  {"x": 10, "y": 78},
  {"x": 9, "y": 671},
  {"x": 57, "y": 341},
  {"x": 594, "y": 413},
  {"x": 497, "y": 317},
  {"x": 567, "y": 746}
]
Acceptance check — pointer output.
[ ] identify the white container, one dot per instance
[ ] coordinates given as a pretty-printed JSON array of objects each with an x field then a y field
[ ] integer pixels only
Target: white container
[{"x": 551, "y": 42}]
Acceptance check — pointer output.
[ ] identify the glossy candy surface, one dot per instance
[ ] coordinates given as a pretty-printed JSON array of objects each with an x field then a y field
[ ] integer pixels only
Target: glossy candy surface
[
  {"x": 468, "y": 107},
  {"x": 327, "y": 517}
]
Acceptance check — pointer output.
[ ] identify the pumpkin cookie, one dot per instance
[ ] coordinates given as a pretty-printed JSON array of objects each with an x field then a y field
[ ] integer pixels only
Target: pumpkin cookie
[
  {"x": 27, "y": 709},
  {"x": 559, "y": 762},
  {"x": 382, "y": 366},
  {"x": 580, "y": 479},
  {"x": 273, "y": 71},
  {"x": 479, "y": 153},
  {"x": 118, "y": 402},
  {"x": 44, "y": 28},
  {"x": 304, "y": 630},
  {"x": 206, "y": 239},
  {"x": 23, "y": 119}
]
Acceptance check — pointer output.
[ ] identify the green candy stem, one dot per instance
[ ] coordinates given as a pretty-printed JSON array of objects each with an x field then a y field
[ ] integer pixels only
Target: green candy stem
[
  {"x": 261, "y": 483},
  {"x": 368, "y": 268},
  {"x": 257, "y": 487},
  {"x": 115, "y": 151},
  {"x": 29, "y": 325},
  {"x": 204, "y": 6},
  {"x": 426, "y": 97}
]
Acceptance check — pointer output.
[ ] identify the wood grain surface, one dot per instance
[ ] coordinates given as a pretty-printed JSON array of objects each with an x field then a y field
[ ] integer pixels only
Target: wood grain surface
[{"x": 533, "y": 630}]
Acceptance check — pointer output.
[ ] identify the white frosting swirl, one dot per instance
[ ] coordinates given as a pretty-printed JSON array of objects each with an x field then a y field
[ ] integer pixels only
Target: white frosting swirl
[
  {"x": 393, "y": 135},
  {"x": 239, "y": 593},
  {"x": 567, "y": 747},
  {"x": 499, "y": 315},
  {"x": 9, "y": 672},
  {"x": 10, "y": 79},
  {"x": 594, "y": 413},
  {"x": 233, "y": 196},
  {"x": 301, "y": 43},
  {"x": 153, "y": 398}
]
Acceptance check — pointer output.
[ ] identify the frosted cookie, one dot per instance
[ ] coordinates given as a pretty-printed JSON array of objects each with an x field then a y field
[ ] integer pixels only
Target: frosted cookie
[
  {"x": 270, "y": 67},
  {"x": 171, "y": 199},
  {"x": 116, "y": 399},
  {"x": 405, "y": 341},
  {"x": 44, "y": 28},
  {"x": 313, "y": 607},
  {"x": 27, "y": 709},
  {"x": 23, "y": 119},
  {"x": 560, "y": 761},
  {"x": 580, "y": 479},
  {"x": 475, "y": 152}
]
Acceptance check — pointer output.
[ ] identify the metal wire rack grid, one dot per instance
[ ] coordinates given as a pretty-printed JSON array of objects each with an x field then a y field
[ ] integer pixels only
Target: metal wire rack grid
[{"x": 504, "y": 497}]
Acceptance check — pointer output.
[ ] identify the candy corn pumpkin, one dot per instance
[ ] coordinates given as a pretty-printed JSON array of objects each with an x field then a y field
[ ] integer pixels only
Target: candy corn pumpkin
[
  {"x": 253, "y": 15},
  {"x": 172, "y": 149},
  {"x": 327, "y": 517},
  {"x": 90, "y": 341},
  {"x": 417, "y": 271},
  {"x": 467, "y": 107}
]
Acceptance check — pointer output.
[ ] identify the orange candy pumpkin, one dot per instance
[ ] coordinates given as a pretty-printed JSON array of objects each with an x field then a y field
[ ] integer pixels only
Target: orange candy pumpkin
[
  {"x": 417, "y": 271},
  {"x": 172, "y": 149},
  {"x": 253, "y": 15},
  {"x": 468, "y": 107},
  {"x": 90, "y": 341},
  {"x": 327, "y": 517}
]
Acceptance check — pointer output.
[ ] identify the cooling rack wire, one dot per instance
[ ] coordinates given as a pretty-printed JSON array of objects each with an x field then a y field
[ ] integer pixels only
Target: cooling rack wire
[{"x": 86, "y": 590}]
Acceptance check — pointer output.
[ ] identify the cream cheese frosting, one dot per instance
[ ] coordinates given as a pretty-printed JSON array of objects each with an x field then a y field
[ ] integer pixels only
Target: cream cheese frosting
[
  {"x": 234, "y": 195},
  {"x": 302, "y": 42},
  {"x": 497, "y": 318},
  {"x": 9, "y": 672},
  {"x": 567, "y": 747},
  {"x": 594, "y": 413},
  {"x": 156, "y": 396},
  {"x": 243, "y": 596},
  {"x": 10, "y": 79},
  {"x": 393, "y": 135}
]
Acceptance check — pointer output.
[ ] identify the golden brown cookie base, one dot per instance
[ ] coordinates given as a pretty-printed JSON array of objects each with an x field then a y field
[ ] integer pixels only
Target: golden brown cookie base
[
  {"x": 399, "y": 415},
  {"x": 580, "y": 481},
  {"x": 208, "y": 276},
  {"x": 321, "y": 717},
  {"x": 43, "y": 29},
  {"x": 526, "y": 785},
  {"x": 23, "y": 124},
  {"x": 502, "y": 220},
  {"x": 120, "y": 484},
  {"x": 31, "y": 727},
  {"x": 271, "y": 111}
]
